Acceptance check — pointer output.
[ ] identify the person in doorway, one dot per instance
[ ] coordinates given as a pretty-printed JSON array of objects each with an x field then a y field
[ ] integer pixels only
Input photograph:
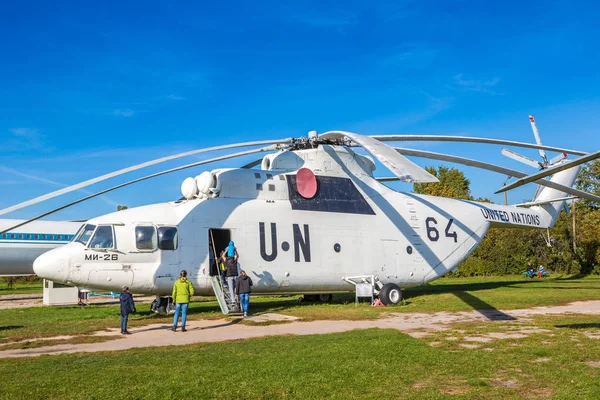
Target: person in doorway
[
  {"x": 221, "y": 268},
  {"x": 183, "y": 290},
  {"x": 230, "y": 258},
  {"x": 127, "y": 307},
  {"x": 214, "y": 270},
  {"x": 242, "y": 287}
]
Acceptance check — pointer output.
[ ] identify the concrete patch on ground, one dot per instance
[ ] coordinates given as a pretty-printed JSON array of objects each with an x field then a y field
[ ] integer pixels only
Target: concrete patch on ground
[
  {"x": 593, "y": 335},
  {"x": 419, "y": 334},
  {"x": 508, "y": 383},
  {"x": 595, "y": 364},
  {"x": 271, "y": 317},
  {"x": 479, "y": 339},
  {"x": 208, "y": 331},
  {"x": 502, "y": 335}
]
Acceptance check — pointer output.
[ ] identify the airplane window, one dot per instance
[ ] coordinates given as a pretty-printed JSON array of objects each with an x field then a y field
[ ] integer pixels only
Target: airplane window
[
  {"x": 145, "y": 237},
  {"x": 103, "y": 238},
  {"x": 167, "y": 238},
  {"x": 85, "y": 234}
]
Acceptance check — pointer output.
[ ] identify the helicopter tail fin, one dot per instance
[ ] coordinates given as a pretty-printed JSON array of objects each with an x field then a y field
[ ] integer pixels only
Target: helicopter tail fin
[{"x": 554, "y": 199}]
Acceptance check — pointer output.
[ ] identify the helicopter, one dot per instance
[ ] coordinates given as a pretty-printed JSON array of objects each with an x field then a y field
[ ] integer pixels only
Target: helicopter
[{"x": 313, "y": 220}]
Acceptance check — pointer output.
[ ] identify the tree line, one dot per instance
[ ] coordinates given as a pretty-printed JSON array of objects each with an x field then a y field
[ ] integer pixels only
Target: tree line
[{"x": 507, "y": 251}]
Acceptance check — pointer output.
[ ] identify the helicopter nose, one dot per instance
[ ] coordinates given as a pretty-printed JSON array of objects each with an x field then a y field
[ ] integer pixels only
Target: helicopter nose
[{"x": 50, "y": 265}]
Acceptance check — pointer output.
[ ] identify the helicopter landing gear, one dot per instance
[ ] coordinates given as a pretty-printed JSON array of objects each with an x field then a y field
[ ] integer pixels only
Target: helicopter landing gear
[
  {"x": 322, "y": 298},
  {"x": 390, "y": 293},
  {"x": 162, "y": 305}
]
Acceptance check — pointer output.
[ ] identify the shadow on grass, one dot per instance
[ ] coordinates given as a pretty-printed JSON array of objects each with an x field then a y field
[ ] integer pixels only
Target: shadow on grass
[
  {"x": 462, "y": 287},
  {"x": 230, "y": 323},
  {"x": 10, "y": 327},
  {"x": 483, "y": 308},
  {"x": 580, "y": 326},
  {"x": 572, "y": 277}
]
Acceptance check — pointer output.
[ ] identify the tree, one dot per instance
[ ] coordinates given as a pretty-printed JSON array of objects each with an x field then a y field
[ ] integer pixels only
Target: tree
[
  {"x": 121, "y": 208},
  {"x": 452, "y": 183},
  {"x": 588, "y": 180}
]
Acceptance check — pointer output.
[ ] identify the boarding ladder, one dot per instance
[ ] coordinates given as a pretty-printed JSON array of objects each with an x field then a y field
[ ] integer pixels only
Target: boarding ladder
[{"x": 223, "y": 296}]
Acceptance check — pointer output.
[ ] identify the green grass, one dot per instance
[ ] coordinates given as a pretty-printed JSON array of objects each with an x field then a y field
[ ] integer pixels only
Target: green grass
[
  {"x": 375, "y": 363},
  {"x": 22, "y": 285},
  {"x": 460, "y": 294}
]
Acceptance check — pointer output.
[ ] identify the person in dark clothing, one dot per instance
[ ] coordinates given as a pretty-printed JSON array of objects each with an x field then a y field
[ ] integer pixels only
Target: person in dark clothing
[
  {"x": 127, "y": 307},
  {"x": 230, "y": 259},
  {"x": 530, "y": 270},
  {"x": 242, "y": 287}
]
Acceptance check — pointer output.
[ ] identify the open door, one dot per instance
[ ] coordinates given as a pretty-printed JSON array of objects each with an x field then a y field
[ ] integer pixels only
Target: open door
[{"x": 218, "y": 239}]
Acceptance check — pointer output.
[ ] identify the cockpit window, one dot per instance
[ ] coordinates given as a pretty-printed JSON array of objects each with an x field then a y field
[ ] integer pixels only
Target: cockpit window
[
  {"x": 167, "y": 238},
  {"x": 145, "y": 237},
  {"x": 103, "y": 238},
  {"x": 74, "y": 237},
  {"x": 84, "y": 234}
]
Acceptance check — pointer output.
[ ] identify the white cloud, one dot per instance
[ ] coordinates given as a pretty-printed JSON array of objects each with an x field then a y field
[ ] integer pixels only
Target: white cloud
[
  {"x": 174, "y": 97},
  {"x": 125, "y": 112},
  {"x": 28, "y": 133},
  {"x": 462, "y": 84},
  {"x": 24, "y": 139}
]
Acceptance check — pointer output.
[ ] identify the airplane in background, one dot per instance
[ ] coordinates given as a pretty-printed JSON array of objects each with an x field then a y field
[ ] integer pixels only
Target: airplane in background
[{"x": 21, "y": 246}]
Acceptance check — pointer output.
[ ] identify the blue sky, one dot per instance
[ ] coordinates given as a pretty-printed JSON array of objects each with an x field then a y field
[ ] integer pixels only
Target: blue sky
[{"x": 89, "y": 90}]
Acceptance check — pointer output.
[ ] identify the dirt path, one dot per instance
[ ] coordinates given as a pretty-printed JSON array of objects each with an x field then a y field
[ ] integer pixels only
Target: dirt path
[{"x": 211, "y": 331}]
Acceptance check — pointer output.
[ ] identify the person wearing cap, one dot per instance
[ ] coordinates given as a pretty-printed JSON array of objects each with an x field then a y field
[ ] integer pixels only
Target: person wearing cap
[
  {"x": 182, "y": 291},
  {"x": 127, "y": 307}
]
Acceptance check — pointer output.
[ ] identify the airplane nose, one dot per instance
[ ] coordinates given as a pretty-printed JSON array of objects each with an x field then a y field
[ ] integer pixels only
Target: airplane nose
[{"x": 49, "y": 266}]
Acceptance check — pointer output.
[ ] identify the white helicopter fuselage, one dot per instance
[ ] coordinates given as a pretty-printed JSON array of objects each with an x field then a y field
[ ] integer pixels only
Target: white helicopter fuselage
[{"x": 353, "y": 226}]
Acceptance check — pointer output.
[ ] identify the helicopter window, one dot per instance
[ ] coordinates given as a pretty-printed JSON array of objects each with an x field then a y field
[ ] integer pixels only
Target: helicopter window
[
  {"x": 259, "y": 186},
  {"x": 282, "y": 177},
  {"x": 271, "y": 188},
  {"x": 167, "y": 238},
  {"x": 145, "y": 237},
  {"x": 269, "y": 176},
  {"x": 257, "y": 175},
  {"x": 74, "y": 236},
  {"x": 103, "y": 238},
  {"x": 84, "y": 234}
]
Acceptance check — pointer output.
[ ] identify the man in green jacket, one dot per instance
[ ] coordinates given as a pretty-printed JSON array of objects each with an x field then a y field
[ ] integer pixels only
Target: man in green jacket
[{"x": 182, "y": 291}]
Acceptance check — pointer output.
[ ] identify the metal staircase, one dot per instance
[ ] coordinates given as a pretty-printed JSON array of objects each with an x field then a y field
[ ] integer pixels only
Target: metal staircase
[{"x": 223, "y": 296}]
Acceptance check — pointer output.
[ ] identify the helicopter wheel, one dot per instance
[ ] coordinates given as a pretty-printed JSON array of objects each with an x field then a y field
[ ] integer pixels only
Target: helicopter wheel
[
  {"x": 390, "y": 294},
  {"x": 325, "y": 298}
]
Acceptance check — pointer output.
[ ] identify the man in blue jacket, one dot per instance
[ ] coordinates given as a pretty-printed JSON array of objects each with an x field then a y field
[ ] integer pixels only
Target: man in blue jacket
[{"x": 127, "y": 307}]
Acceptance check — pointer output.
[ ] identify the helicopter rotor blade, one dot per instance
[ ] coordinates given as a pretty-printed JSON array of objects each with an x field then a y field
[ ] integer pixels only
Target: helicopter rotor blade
[
  {"x": 549, "y": 171},
  {"x": 490, "y": 167},
  {"x": 135, "y": 168},
  {"x": 400, "y": 166},
  {"x": 252, "y": 164},
  {"x": 557, "y": 159},
  {"x": 469, "y": 139},
  {"x": 538, "y": 140},
  {"x": 168, "y": 171},
  {"x": 520, "y": 158}
]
